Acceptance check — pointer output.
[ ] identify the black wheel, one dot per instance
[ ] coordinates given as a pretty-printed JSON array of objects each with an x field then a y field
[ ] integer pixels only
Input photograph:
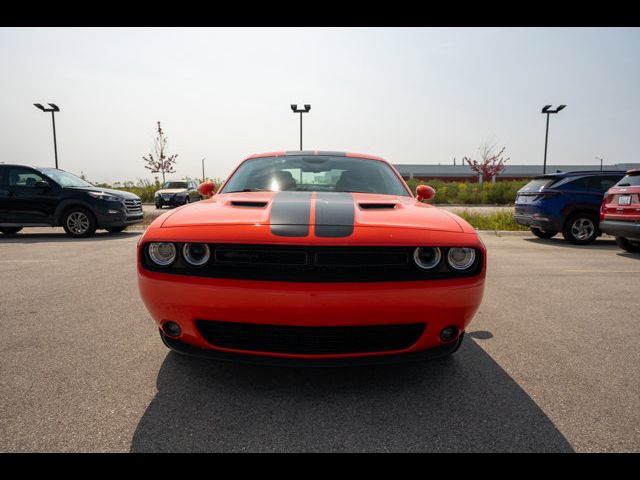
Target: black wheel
[
  {"x": 632, "y": 246},
  {"x": 581, "y": 228},
  {"x": 541, "y": 233},
  {"x": 115, "y": 229},
  {"x": 158, "y": 206},
  {"x": 10, "y": 230},
  {"x": 186, "y": 199},
  {"x": 79, "y": 222}
]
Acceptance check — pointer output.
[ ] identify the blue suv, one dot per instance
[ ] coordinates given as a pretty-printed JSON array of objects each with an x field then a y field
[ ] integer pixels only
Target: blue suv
[{"x": 567, "y": 202}]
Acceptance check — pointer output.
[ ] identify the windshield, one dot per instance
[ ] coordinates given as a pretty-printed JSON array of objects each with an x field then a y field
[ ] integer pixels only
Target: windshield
[
  {"x": 537, "y": 184},
  {"x": 629, "y": 181},
  {"x": 64, "y": 179},
  {"x": 315, "y": 174},
  {"x": 175, "y": 185}
]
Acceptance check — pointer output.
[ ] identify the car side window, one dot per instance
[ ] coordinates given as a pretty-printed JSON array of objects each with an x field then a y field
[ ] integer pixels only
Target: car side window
[
  {"x": 607, "y": 182},
  {"x": 579, "y": 184},
  {"x": 23, "y": 177}
]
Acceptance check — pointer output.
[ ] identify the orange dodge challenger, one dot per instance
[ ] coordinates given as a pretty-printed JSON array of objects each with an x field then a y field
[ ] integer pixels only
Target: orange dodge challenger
[{"x": 312, "y": 258}]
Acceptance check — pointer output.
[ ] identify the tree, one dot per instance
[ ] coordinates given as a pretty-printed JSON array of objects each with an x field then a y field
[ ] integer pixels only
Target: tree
[
  {"x": 160, "y": 162},
  {"x": 490, "y": 163}
]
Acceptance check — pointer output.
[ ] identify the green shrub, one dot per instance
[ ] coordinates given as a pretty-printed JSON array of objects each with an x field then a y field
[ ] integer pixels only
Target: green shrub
[
  {"x": 491, "y": 221},
  {"x": 467, "y": 193}
]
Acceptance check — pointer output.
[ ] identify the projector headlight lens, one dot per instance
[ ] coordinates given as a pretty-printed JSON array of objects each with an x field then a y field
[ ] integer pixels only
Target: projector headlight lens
[
  {"x": 196, "y": 254},
  {"x": 162, "y": 253},
  {"x": 427, "y": 258},
  {"x": 461, "y": 258}
]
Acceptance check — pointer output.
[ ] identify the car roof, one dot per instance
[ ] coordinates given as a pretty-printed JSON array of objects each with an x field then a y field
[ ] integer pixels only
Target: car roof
[
  {"x": 314, "y": 153},
  {"x": 580, "y": 173}
]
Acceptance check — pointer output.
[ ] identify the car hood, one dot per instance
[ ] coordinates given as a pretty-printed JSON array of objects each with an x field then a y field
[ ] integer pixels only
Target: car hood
[
  {"x": 313, "y": 208},
  {"x": 171, "y": 190},
  {"x": 110, "y": 191}
]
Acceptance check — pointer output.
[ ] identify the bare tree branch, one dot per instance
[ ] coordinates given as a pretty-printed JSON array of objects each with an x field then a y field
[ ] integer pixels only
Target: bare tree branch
[
  {"x": 160, "y": 163},
  {"x": 490, "y": 164}
]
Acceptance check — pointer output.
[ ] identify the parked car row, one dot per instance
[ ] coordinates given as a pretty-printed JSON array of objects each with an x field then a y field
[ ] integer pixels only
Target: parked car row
[{"x": 582, "y": 205}]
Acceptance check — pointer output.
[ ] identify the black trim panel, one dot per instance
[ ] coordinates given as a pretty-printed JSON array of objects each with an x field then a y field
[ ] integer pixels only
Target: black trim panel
[
  {"x": 299, "y": 263},
  {"x": 219, "y": 355}
]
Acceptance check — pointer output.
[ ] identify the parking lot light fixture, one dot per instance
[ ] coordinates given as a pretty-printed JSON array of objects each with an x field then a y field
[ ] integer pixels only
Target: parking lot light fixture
[
  {"x": 53, "y": 108},
  {"x": 547, "y": 109},
  {"x": 306, "y": 109}
]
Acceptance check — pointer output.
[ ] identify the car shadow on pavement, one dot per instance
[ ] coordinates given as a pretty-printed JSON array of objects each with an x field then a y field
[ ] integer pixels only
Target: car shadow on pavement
[
  {"x": 599, "y": 244},
  {"x": 463, "y": 403},
  {"x": 63, "y": 237}
]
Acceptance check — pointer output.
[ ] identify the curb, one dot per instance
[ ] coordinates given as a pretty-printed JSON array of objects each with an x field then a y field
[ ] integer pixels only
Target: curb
[{"x": 507, "y": 233}]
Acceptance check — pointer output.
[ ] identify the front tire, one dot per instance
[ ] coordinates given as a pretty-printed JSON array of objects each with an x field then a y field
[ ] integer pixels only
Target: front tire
[
  {"x": 10, "y": 230},
  {"x": 541, "y": 233},
  {"x": 581, "y": 229},
  {"x": 79, "y": 222},
  {"x": 632, "y": 246}
]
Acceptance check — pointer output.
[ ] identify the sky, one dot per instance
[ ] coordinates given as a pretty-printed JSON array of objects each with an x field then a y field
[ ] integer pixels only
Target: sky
[{"x": 410, "y": 95}]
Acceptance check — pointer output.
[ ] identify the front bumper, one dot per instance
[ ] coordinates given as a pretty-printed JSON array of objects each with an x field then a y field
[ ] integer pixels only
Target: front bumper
[
  {"x": 173, "y": 201},
  {"x": 616, "y": 228},
  {"x": 116, "y": 217},
  {"x": 211, "y": 354},
  {"x": 184, "y": 299}
]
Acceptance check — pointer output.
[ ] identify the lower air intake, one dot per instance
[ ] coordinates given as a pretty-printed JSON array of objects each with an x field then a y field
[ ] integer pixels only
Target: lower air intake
[{"x": 310, "y": 340}]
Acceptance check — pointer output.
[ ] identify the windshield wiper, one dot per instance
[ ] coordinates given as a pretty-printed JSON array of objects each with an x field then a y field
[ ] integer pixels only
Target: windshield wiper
[{"x": 250, "y": 190}]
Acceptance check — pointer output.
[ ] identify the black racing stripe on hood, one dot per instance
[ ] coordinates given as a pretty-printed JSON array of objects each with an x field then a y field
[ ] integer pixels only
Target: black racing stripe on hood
[
  {"x": 290, "y": 214},
  {"x": 334, "y": 214}
]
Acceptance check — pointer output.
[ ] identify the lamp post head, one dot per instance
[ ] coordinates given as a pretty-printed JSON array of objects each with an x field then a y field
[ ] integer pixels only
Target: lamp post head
[
  {"x": 295, "y": 108},
  {"x": 54, "y": 107},
  {"x": 547, "y": 109}
]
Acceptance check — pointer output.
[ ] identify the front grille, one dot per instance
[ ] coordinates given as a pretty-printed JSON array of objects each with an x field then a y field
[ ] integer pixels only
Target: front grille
[
  {"x": 294, "y": 263},
  {"x": 309, "y": 340},
  {"x": 133, "y": 206}
]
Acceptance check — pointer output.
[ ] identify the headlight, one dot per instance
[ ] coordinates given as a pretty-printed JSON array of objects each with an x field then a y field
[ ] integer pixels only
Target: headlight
[
  {"x": 104, "y": 196},
  {"x": 196, "y": 254},
  {"x": 162, "y": 253},
  {"x": 427, "y": 258},
  {"x": 461, "y": 258}
]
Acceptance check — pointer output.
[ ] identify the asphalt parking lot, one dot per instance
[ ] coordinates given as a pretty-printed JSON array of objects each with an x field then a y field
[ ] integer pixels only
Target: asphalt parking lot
[{"x": 550, "y": 363}]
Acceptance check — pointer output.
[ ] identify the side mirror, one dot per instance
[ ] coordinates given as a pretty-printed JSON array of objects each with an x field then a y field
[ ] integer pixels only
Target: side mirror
[
  {"x": 207, "y": 189},
  {"x": 42, "y": 184},
  {"x": 424, "y": 192}
]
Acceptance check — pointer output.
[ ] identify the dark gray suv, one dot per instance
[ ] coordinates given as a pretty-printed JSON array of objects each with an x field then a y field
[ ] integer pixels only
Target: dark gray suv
[{"x": 36, "y": 197}]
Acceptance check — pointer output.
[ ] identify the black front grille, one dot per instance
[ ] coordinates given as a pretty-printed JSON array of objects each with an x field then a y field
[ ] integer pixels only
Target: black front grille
[
  {"x": 295, "y": 263},
  {"x": 309, "y": 340},
  {"x": 133, "y": 206}
]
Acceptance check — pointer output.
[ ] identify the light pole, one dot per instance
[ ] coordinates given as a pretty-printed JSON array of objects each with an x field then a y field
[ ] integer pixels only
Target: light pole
[
  {"x": 203, "y": 170},
  {"x": 54, "y": 108},
  {"x": 300, "y": 111},
  {"x": 599, "y": 158},
  {"x": 546, "y": 109}
]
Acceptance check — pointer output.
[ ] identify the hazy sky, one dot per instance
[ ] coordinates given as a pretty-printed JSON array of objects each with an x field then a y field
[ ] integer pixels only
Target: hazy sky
[{"x": 411, "y": 95}]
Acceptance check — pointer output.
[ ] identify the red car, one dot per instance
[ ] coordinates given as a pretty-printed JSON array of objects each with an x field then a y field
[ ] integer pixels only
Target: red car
[
  {"x": 312, "y": 258},
  {"x": 620, "y": 212}
]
